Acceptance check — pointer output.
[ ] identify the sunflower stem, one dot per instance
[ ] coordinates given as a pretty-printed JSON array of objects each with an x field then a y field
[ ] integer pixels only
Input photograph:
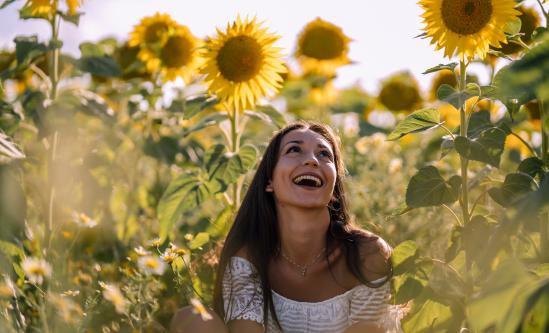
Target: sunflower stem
[
  {"x": 54, "y": 79},
  {"x": 544, "y": 219},
  {"x": 463, "y": 133}
]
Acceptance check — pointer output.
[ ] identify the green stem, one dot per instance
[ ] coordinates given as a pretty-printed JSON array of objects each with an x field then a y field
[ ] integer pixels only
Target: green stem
[
  {"x": 463, "y": 132},
  {"x": 544, "y": 219},
  {"x": 54, "y": 54},
  {"x": 544, "y": 135}
]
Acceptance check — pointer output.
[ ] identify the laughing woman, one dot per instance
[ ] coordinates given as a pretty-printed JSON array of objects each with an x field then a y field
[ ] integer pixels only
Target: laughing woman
[{"x": 292, "y": 261}]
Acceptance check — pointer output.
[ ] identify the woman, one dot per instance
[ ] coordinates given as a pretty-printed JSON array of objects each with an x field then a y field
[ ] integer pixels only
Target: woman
[{"x": 292, "y": 260}]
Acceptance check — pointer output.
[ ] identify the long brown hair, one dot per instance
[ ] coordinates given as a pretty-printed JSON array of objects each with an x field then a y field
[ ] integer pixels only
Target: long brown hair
[{"x": 256, "y": 227}]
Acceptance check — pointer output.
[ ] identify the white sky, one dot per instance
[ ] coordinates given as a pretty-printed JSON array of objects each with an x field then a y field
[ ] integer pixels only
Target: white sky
[{"x": 382, "y": 31}]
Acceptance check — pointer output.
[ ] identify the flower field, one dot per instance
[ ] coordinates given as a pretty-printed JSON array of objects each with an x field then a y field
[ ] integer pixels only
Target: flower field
[{"x": 122, "y": 168}]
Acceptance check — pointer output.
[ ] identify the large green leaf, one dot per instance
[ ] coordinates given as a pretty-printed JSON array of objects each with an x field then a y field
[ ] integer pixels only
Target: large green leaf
[
  {"x": 514, "y": 187},
  {"x": 194, "y": 105},
  {"x": 199, "y": 240},
  {"x": 27, "y": 48},
  {"x": 102, "y": 66},
  {"x": 497, "y": 295},
  {"x": 274, "y": 115},
  {"x": 530, "y": 310},
  {"x": 532, "y": 166},
  {"x": 416, "y": 122},
  {"x": 428, "y": 318},
  {"x": 402, "y": 253},
  {"x": 530, "y": 74},
  {"x": 441, "y": 67},
  {"x": 449, "y": 94},
  {"x": 428, "y": 188},
  {"x": 487, "y": 148},
  {"x": 226, "y": 167},
  {"x": 184, "y": 193},
  {"x": 408, "y": 290}
]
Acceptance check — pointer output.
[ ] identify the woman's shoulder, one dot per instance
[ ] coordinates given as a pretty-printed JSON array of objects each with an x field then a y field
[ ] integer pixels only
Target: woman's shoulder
[{"x": 375, "y": 254}]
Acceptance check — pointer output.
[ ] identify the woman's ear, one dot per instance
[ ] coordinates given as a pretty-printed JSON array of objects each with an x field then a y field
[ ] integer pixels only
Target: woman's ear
[{"x": 269, "y": 187}]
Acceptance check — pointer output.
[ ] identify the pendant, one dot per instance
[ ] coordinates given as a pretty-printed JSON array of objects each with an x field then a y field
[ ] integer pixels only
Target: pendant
[{"x": 303, "y": 271}]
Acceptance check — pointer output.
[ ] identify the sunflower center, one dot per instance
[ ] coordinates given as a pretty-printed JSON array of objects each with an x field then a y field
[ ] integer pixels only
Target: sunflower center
[
  {"x": 323, "y": 44},
  {"x": 240, "y": 59},
  {"x": 177, "y": 52},
  {"x": 154, "y": 32},
  {"x": 466, "y": 17}
]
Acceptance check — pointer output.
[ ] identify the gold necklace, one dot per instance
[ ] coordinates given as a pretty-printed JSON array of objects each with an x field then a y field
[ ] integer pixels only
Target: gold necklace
[{"x": 302, "y": 268}]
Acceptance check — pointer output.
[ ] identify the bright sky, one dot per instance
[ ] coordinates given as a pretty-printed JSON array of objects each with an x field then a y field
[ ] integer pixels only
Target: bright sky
[{"x": 382, "y": 31}]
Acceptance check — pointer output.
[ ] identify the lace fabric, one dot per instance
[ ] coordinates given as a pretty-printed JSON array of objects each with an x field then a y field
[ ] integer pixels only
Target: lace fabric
[{"x": 243, "y": 299}]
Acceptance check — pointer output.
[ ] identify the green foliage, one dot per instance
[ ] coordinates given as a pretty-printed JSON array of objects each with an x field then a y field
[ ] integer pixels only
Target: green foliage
[
  {"x": 514, "y": 186},
  {"x": 416, "y": 122},
  {"x": 487, "y": 148},
  {"x": 428, "y": 188},
  {"x": 440, "y": 67},
  {"x": 102, "y": 66}
]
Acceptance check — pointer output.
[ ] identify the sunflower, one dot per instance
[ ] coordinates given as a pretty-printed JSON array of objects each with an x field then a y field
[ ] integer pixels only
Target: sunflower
[
  {"x": 178, "y": 56},
  {"x": 467, "y": 27},
  {"x": 241, "y": 64},
  {"x": 41, "y": 7},
  {"x": 73, "y": 5},
  {"x": 400, "y": 92},
  {"x": 322, "y": 47},
  {"x": 530, "y": 20},
  {"x": 150, "y": 34}
]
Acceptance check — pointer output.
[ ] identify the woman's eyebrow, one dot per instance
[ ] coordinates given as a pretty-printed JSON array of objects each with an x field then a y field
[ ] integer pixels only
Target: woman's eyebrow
[{"x": 320, "y": 145}]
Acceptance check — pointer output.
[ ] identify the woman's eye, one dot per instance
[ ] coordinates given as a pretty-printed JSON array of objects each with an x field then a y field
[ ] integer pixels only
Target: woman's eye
[
  {"x": 325, "y": 153},
  {"x": 292, "y": 149}
]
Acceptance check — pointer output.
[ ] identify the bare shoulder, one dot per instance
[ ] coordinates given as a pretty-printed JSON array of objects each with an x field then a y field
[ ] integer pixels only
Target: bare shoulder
[
  {"x": 376, "y": 256},
  {"x": 243, "y": 253}
]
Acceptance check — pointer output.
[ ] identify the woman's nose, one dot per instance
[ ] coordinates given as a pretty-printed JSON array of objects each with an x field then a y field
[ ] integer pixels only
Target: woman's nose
[{"x": 311, "y": 161}]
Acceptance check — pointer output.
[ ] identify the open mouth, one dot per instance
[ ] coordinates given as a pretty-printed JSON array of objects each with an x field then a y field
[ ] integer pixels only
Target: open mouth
[{"x": 308, "y": 181}]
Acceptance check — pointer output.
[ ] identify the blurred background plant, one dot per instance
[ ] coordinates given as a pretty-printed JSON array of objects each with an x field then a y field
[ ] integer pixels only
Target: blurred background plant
[{"x": 121, "y": 169}]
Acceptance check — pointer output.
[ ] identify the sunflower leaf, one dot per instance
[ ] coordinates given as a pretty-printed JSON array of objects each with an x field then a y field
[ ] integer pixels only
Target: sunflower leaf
[
  {"x": 487, "y": 148},
  {"x": 449, "y": 94},
  {"x": 441, "y": 67},
  {"x": 515, "y": 186},
  {"x": 275, "y": 116},
  {"x": 428, "y": 188},
  {"x": 6, "y": 3},
  {"x": 532, "y": 166},
  {"x": 27, "y": 48},
  {"x": 74, "y": 19},
  {"x": 416, "y": 122},
  {"x": 197, "y": 104},
  {"x": 103, "y": 66},
  {"x": 184, "y": 193}
]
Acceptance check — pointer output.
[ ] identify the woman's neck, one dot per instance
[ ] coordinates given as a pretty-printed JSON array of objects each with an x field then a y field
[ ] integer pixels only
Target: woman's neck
[{"x": 302, "y": 232}]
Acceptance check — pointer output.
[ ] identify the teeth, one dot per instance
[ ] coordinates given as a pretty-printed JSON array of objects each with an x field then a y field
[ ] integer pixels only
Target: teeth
[{"x": 313, "y": 178}]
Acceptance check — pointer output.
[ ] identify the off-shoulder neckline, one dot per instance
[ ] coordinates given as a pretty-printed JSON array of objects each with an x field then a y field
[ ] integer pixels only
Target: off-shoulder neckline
[{"x": 329, "y": 300}]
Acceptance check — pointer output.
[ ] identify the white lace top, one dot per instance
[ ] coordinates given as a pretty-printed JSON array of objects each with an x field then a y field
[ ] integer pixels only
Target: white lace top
[{"x": 243, "y": 299}]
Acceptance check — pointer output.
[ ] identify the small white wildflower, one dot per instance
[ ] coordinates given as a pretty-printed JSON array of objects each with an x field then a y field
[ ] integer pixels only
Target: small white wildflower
[
  {"x": 155, "y": 242},
  {"x": 82, "y": 220},
  {"x": 113, "y": 294},
  {"x": 395, "y": 165},
  {"x": 36, "y": 269},
  {"x": 140, "y": 251},
  {"x": 151, "y": 265},
  {"x": 71, "y": 293},
  {"x": 198, "y": 308}
]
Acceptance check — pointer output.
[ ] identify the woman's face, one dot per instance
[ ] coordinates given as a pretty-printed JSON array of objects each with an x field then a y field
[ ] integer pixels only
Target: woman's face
[{"x": 305, "y": 173}]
